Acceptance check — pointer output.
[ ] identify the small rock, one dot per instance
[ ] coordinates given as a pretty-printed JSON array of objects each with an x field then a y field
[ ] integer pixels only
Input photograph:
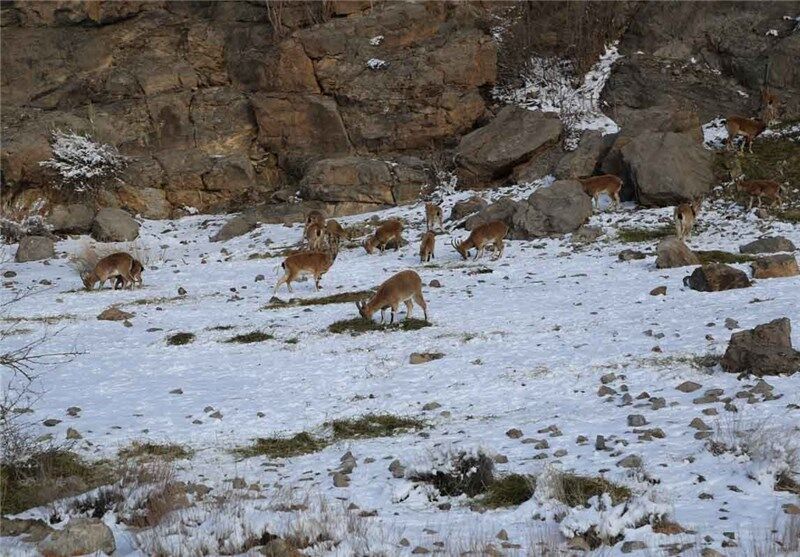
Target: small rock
[
  {"x": 636, "y": 420},
  {"x": 608, "y": 378},
  {"x": 605, "y": 390},
  {"x": 629, "y": 255},
  {"x": 600, "y": 443},
  {"x": 630, "y": 461},
  {"x": 514, "y": 433},
  {"x": 79, "y": 537},
  {"x": 431, "y": 406},
  {"x": 9, "y": 274},
  {"x": 716, "y": 277},
  {"x": 404, "y": 542},
  {"x": 658, "y": 403},
  {"x": 500, "y": 459},
  {"x": 775, "y": 266},
  {"x": 397, "y": 469},
  {"x": 773, "y": 244},
  {"x": 340, "y": 480},
  {"x": 73, "y": 411},
  {"x": 424, "y": 357},
  {"x": 217, "y": 415},
  {"x": 699, "y": 424},
  {"x": 502, "y": 535},
  {"x": 631, "y": 546},
  {"x": 73, "y": 434},
  {"x": 419, "y": 550},
  {"x": 659, "y": 291},
  {"x": 51, "y": 422},
  {"x": 559, "y": 453},
  {"x": 435, "y": 284},
  {"x": 688, "y": 387},
  {"x": 34, "y": 248},
  {"x": 114, "y": 314},
  {"x": 708, "y": 552},
  {"x": 176, "y": 392},
  {"x": 731, "y": 324},
  {"x": 710, "y": 411},
  {"x": 238, "y": 483},
  {"x": 181, "y": 291}
]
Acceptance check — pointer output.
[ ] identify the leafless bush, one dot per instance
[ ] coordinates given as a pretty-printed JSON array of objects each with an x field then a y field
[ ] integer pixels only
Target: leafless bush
[{"x": 16, "y": 224}]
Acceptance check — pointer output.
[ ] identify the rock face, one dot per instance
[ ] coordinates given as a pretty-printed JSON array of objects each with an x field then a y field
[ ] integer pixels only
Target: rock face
[
  {"x": 582, "y": 161},
  {"x": 513, "y": 137},
  {"x": 557, "y": 209},
  {"x": 114, "y": 225},
  {"x": 714, "y": 277},
  {"x": 80, "y": 536},
  {"x": 34, "y": 248},
  {"x": 73, "y": 218},
  {"x": 771, "y": 244},
  {"x": 217, "y": 108},
  {"x": 672, "y": 252},
  {"x": 667, "y": 168},
  {"x": 774, "y": 266},
  {"x": 764, "y": 350}
]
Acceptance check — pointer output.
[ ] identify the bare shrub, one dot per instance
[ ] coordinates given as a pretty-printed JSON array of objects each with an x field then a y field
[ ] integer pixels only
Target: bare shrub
[{"x": 83, "y": 164}]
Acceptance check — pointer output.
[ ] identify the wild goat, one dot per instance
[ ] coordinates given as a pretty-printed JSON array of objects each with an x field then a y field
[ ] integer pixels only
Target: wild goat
[
  {"x": 314, "y": 263},
  {"x": 685, "y": 215},
  {"x": 769, "y": 105},
  {"x": 403, "y": 288},
  {"x": 761, "y": 188},
  {"x": 112, "y": 266},
  {"x": 433, "y": 215},
  {"x": 385, "y": 233},
  {"x": 594, "y": 186},
  {"x": 426, "y": 246},
  {"x": 334, "y": 233},
  {"x": 136, "y": 274},
  {"x": 314, "y": 234},
  {"x": 315, "y": 217},
  {"x": 746, "y": 127},
  {"x": 480, "y": 237}
]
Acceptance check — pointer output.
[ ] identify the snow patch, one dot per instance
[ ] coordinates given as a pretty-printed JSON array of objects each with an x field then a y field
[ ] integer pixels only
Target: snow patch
[{"x": 377, "y": 64}]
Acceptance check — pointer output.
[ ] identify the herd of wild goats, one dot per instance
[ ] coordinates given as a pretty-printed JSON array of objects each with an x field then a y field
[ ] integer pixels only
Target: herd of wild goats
[{"x": 323, "y": 237}]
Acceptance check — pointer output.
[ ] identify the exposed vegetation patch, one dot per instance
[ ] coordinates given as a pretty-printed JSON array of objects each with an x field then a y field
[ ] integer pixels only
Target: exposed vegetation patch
[
  {"x": 152, "y": 301},
  {"x": 47, "y": 319},
  {"x": 247, "y": 338},
  {"x": 359, "y": 325},
  {"x": 373, "y": 425},
  {"x": 790, "y": 215},
  {"x": 179, "y": 339},
  {"x": 699, "y": 361},
  {"x": 461, "y": 474},
  {"x": 342, "y": 298},
  {"x": 46, "y": 476},
  {"x": 220, "y": 328},
  {"x": 148, "y": 450},
  {"x": 717, "y": 256},
  {"x": 576, "y": 491},
  {"x": 632, "y": 235},
  {"x": 509, "y": 491},
  {"x": 283, "y": 447}
]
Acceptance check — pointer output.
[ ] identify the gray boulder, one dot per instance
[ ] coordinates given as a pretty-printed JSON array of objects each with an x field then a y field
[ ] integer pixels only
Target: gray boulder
[
  {"x": 667, "y": 168},
  {"x": 80, "y": 536},
  {"x": 236, "y": 226},
  {"x": 763, "y": 350},
  {"x": 583, "y": 160},
  {"x": 775, "y": 266},
  {"x": 503, "y": 209},
  {"x": 34, "y": 248},
  {"x": 114, "y": 225},
  {"x": 467, "y": 207},
  {"x": 715, "y": 277},
  {"x": 673, "y": 252},
  {"x": 771, "y": 244},
  {"x": 514, "y": 136},
  {"x": 74, "y": 218}
]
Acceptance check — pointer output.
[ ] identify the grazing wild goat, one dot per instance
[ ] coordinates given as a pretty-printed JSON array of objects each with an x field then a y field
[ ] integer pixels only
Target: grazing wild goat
[
  {"x": 112, "y": 266},
  {"x": 489, "y": 233},
  {"x": 334, "y": 233},
  {"x": 746, "y": 127},
  {"x": 594, "y": 186},
  {"x": 426, "y": 246},
  {"x": 433, "y": 215},
  {"x": 403, "y": 288},
  {"x": 136, "y": 275},
  {"x": 314, "y": 234},
  {"x": 314, "y": 263},
  {"x": 385, "y": 233},
  {"x": 761, "y": 188},
  {"x": 685, "y": 214}
]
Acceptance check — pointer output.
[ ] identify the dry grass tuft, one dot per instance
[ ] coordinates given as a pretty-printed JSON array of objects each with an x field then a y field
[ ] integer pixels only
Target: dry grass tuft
[{"x": 145, "y": 450}]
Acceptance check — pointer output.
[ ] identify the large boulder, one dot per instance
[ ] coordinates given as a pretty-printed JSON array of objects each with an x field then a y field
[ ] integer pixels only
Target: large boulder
[
  {"x": 467, "y": 207},
  {"x": 513, "y": 137},
  {"x": 73, "y": 218},
  {"x": 673, "y": 252},
  {"x": 114, "y": 225},
  {"x": 236, "y": 226},
  {"x": 364, "y": 180},
  {"x": 80, "y": 536},
  {"x": 503, "y": 209},
  {"x": 770, "y": 244},
  {"x": 715, "y": 277},
  {"x": 774, "y": 266},
  {"x": 763, "y": 350},
  {"x": 582, "y": 161},
  {"x": 34, "y": 248},
  {"x": 151, "y": 203},
  {"x": 667, "y": 168}
]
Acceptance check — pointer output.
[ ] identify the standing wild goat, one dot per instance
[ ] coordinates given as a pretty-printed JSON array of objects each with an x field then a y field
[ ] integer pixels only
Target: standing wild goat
[
  {"x": 426, "y": 246},
  {"x": 403, "y": 288},
  {"x": 385, "y": 233},
  {"x": 136, "y": 275},
  {"x": 596, "y": 185},
  {"x": 314, "y": 263},
  {"x": 315, "y": 217},
  {"x": 433, "y": 215},
  {"x": 314, "y": 234},
  {"x": 112, "y": 266},
  {"x": 489, "y": 233},
  {"x": 746, "y": 127},
  {"x": 761, "y": 188},
  {"x": 685, "y": 214},
  {"x": 334, "y": 233}
]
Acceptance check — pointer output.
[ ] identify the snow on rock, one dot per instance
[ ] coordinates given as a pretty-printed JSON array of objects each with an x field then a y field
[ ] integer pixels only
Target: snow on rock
[{"x": 377, "y": 64}]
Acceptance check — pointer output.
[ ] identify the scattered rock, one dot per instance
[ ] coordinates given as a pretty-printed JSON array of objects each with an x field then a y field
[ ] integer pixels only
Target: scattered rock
[
  {"x": 731, "y": 324},
  {"x": 397, "y": 469},
  {"x": 672, "y": 252},
  {"x": 715, "y": 277},
  {"x": 181, "y": 291},
  {"x": 340, "y": 480},
  {"x": 431, "y": 406},
  {"x": 34, "y": 248},
  {"x": 259, "y": 278},
  {"x": 514, "y": 433},
  {"x": 238, "y": 483},
  {"x": 709, "y": 552},
  {"x": 176, "y": 391},
  {"x": 424, "y": 357},
  {"x": 74, "y": 218},
  {"x": 467, "y": 207},
  {"x": 51, "y": 422},
  {"x": 607, "y": 378},
  {"x": 114, "y": 314},
  {"x": 419, "y": 550},
  {"x": 659, "y": 291},
  {"x": 630, "y": 255},
  {"x": 636, "y": 420},
  {"x": 586, "y": 234},
  {"x": 772, "y": 244},
  {"x": 583, "y": 160},
  {"x": 435, "y": 284},
  {"x": 114, "y": 225},
  {"x": 631, "y": 546},
  {"x": 688, "y": 387},
  {"x": 79, "y": 537},
  {"x": 605, "y": 390},
  {"x": 790, "y": 508},
  {"x": 73, "y": 434},
  {"x": 763, "y": 350},
  {"x": 630, "y": 461},
  {"x": 9, "y": 274},
  {"x": 236, "y": 226},
  {"x": 775, "y": 266},
  {"x": 73, "y": 411},
  {"x": 699, "y": 425}
]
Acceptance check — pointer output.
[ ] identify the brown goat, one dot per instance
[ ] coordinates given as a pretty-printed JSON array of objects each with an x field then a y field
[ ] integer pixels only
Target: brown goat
[
  {"x": 334, "y": 232},
  {"x": 433, "y": 216},
  {"x": 761, "y": 188},
  {"x": 403, "y": 288},
  {"x": 426, "y": 246},
  {"x": 112, "y": 266},
  {"x": 685, "y": 216},
  {"x": 594, "y": 186},
  {"x": 314, "y": 263},
  {"x": 489, "y": 233},
  {"x": 385, "y": 233},
  {"x": 746, "y": 127}
]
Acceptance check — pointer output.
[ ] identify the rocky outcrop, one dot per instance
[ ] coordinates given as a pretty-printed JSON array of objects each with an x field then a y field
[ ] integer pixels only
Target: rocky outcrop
[
  {"x": 513, "y": 137},
  {"x": 73, "y": 218},
  {"x": 34, "y": 248},
  {"x": 79, "y": 537},
  {"x": 715, "y": 277},
  {"x": 770, "y": 244},
  {"x": 582, "y": 161},
  {"x": 774, "y": 266},
  {"x": 467, "y": 207},
  {"x": 763, "y": 350},
  {"x": 114, "y": 225},
  {"x": 557, "y": 209},
  {"x": 217, "y": 108},
  {"x": 673, "y": 252}
]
